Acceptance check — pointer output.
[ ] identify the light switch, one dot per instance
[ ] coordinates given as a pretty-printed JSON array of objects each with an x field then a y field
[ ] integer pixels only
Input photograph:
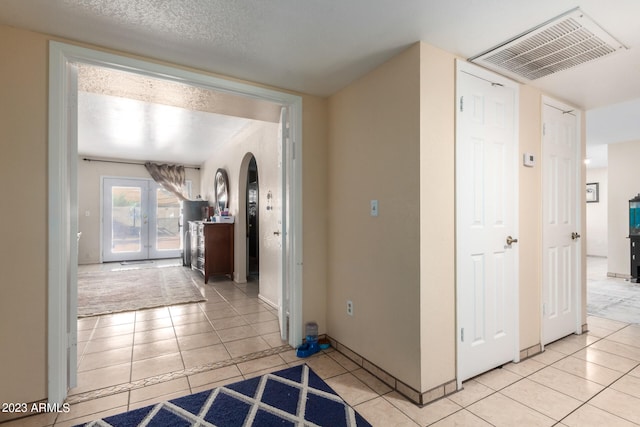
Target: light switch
[
  {"x": 528, "y": 160},
  {"x": 87, "y": 213},
  {"x": 374, "y": 208}
]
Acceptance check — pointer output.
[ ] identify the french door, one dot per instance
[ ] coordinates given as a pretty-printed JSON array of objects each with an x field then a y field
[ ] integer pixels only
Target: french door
[{"x": 141, "y": 220}]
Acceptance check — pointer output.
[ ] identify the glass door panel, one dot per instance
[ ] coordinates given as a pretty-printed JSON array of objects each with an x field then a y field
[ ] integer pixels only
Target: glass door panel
[
  {"x": 126, "y": 219},
  {"x": 164, "y": 224}
]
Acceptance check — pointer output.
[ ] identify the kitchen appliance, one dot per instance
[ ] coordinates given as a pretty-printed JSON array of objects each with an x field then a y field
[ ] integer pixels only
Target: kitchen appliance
[{"x": 192, "y": 210}]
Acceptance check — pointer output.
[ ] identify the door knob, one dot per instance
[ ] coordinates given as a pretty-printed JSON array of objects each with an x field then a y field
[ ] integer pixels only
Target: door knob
[
  {"x": 277, "y": 233},
  {"x": 575, "y": 236},
  {"x": 511, "y": 240}
]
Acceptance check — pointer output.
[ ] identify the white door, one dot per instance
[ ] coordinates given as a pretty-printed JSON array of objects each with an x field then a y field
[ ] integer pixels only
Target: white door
[
  {"x": 141, "y": 220},
  {"x": 486, "y": 220},
  {"x": 561, "y": 222}
]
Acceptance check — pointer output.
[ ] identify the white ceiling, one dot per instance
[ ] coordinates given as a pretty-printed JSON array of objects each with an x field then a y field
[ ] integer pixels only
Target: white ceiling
[
  {"x": 608, "y": 125},
  {"x": 108, "y": 125},
  {"x": 319, "y": 47},
  {"x": 127, "y": 115}
]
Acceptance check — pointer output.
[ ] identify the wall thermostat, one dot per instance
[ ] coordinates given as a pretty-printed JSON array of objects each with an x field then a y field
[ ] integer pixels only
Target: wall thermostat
[{"x": 529, "y": 159}]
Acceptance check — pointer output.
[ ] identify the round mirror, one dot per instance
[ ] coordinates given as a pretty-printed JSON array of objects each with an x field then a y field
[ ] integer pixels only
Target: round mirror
[{"x": 222, "y": 190}]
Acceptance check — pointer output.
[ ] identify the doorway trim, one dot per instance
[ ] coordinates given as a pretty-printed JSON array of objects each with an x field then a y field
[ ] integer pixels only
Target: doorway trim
[{"x": 62, "y": 185}]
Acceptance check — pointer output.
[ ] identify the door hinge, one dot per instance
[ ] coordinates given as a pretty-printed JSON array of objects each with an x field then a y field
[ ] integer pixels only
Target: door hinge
[
  {"x": 293, "y": 150},
  {"x": 461, "y": 104},
  {"x": 544, "y": 310},
  {"x": 544, "y": 129},
  {"x": 462, "y": 334}
]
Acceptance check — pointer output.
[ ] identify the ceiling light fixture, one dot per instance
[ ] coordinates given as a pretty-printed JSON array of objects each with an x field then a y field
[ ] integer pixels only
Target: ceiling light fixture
[{"x": 563, "y": 42}]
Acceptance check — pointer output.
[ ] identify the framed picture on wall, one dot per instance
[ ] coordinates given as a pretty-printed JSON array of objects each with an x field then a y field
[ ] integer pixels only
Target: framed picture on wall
[{"x": 593, "y": 192}]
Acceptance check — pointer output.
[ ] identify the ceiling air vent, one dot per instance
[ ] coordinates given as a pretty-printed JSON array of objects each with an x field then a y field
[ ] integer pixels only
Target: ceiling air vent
[{"x": 566, "y": 41}]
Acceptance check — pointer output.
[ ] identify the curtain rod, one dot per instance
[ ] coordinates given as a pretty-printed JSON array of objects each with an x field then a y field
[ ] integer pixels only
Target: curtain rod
[{"x": 86, "y": 159}]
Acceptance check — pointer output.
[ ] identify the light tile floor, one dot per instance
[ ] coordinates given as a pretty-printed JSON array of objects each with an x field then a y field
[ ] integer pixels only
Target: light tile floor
[
  {"x": 611, "y": 298},
  {"x": 130, "y": 360}
]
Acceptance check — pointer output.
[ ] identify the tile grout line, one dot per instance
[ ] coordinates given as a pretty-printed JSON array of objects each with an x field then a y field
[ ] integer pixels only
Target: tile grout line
[
  {"x": 601, "y": 391},
  {"x": 157, "y": 379},
  {"x": 566, "y": 356},
  {"x": 173, "y": 327},
  {"x": 563, "y": 358}
]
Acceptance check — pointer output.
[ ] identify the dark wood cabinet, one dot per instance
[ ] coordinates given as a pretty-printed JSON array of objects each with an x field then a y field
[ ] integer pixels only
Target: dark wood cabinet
[
  {"x": 211, "y": 248},
  {"x": 635, "y": 259}
]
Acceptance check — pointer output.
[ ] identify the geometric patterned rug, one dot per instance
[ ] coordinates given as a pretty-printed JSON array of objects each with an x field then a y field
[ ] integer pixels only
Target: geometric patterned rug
[{"x": 295, "y": 396}]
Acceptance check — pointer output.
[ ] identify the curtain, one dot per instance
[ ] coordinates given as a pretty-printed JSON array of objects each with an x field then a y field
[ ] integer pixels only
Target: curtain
[{"x": 170, "y": 177}]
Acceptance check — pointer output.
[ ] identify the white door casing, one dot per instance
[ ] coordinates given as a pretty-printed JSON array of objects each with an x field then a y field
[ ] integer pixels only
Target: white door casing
[
  {"x": 486, "y": 217},
  {"x": 72, "y": 276},
  {"x": 561, "y": 189},
  {"x": 285, "y": 243},
  {"x": 62, "y": 207}
]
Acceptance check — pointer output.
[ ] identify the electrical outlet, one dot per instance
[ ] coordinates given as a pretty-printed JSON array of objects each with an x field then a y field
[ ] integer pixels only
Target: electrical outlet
[{"x": 350, "y": 308}]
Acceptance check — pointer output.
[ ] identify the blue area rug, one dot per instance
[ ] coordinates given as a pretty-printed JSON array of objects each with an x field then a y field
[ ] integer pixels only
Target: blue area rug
[{"x": 292, "y": 397}]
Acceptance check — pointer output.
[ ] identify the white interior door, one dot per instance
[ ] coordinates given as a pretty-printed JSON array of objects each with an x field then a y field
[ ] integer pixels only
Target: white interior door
[
  {"x": 486, "y": 218},
  {"x": 561, "y": 222},
  {"x": 141, "y": 221}
]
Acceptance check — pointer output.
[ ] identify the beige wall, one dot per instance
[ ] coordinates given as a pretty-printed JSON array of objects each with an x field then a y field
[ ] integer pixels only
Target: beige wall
[
  {"x": 315, "y": 210},
  {"x": 530, "y": 217},
  {"x": 437, "y": 217},
  {"x": 89, "y": 192},
  {"x": 23, "y": 123},
  {"x": 23, "y": 256},
  {"x": 374, "y": 153},
  {"x": 624, "y": 179}
]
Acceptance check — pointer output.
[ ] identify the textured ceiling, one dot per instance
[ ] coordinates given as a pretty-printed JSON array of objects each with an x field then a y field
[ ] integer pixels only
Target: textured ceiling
[
  {"x": 105, "y": 81},
  {"x": 127, "y": 115},
  {"x": 319, "y": 47}
]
